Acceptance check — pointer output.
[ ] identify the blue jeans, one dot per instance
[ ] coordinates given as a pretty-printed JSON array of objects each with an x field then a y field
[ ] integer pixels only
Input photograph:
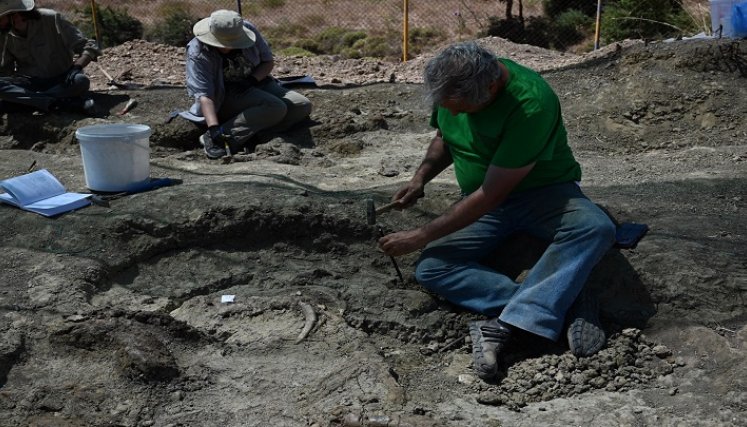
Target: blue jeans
[{"x": 580, "y": 234}]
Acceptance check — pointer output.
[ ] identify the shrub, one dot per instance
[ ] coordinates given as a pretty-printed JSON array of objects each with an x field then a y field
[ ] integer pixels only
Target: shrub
[
  {"x": 554, "y": 8},
  {"x": 640, "y": 19},
  {"x": 511, "y": 29},
  {"x": 329, "y": 41},
  {"x": 115, "y": 26},
  {"x": 561, "y": 32},
  {"x": 175, "y": 28},
  {"x": 373, "y": 47},
  {"x": 272, "y": 4},
  {"x": 349, "y": 39},
  {"x": 294, "y": 51},
  {"x": 287, "y": 35},
  {"x": 538, "y": 31},
  {"x": 570, "y": 27},
  {"x": 424, "y": 39},
  {"x": 290, "y": 40}
]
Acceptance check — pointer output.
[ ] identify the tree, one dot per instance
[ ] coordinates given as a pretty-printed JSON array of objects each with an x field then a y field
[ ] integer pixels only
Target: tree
[
  {"x": 554, "y": 8},
  {"x": 510, "y": 9}
]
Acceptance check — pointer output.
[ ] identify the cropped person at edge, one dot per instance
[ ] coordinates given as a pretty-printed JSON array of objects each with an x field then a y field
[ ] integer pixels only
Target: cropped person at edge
[
  {"x": 228, "y": 75},
  {"x": 42, "y": 59},
  {"x": 500, "y": 125}
]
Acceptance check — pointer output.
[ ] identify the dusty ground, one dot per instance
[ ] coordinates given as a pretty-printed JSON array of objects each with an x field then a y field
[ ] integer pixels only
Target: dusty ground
[{"x": 112, "y": 316}]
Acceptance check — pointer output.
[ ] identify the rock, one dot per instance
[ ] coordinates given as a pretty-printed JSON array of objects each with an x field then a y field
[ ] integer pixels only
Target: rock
[
  {"x": 489, "y": 398},
  {"x": 145, "y": 357},
  {"x": 662, "y": 351}
]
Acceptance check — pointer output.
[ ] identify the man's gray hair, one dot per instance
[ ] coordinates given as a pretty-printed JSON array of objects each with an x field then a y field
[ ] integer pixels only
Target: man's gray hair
[{"x": 461, "y": 71}]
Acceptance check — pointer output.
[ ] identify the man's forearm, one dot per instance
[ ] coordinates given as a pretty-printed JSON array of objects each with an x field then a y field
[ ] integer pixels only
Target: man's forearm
[
  {"x": 208, "y": 111},
  {"x": 83, "y": 61},
  {"x": 497, "y": 185},
  {"x": 458, "y": 216},
  {"x": 437, "y": 158},
  {"x": 263, "y": 70}
]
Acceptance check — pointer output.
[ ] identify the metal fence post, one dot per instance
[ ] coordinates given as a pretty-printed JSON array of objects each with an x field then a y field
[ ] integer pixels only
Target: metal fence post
[
  {"x": 598, "y": 22},
  {"x": 405, "y": 29},
  {"x": 238, "y": 7},
  {"x": 96, "y": 25}
]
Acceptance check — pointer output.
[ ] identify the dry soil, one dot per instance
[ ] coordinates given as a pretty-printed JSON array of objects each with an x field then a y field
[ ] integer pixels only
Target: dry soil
[{"x": 112, "y": 316}]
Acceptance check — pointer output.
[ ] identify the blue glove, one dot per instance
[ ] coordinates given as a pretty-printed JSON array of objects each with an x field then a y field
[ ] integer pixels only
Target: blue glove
[
  {"x": 223, "y": 138},
  {"x": 217, "y": 134},
  {"x": 71, "y": 73}
]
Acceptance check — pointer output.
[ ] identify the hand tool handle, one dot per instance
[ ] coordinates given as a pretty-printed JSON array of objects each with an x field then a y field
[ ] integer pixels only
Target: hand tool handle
[
  {"x": 108, "y": 76},
  {"x": 394, "y": 204},
  {"x": 394, "y": 262},
  {"x": 387, "y": 207}
]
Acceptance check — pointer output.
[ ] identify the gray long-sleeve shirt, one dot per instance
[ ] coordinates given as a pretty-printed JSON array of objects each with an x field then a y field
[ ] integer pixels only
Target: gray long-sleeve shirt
[
  {"x": 205, "y": 69},
  {"x": 48, "y": 49}
]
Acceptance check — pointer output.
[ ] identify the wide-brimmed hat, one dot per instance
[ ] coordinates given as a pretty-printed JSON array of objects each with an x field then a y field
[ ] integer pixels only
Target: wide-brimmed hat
[
  {"x": 224, "y": 28},
  {"x": 7, "y": 6}
]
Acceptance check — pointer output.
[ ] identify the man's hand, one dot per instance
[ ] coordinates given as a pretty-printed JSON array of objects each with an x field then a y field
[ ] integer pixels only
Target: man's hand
[
  {"x": 217, "y": 133},
  {"x": 72, "y": 73},
  {"x": 248, "y": 82},
  {"x": 408, "y": 195},
  {"x": 223, "y": 138},
  {"x": 251, "y": 81},
  {"x": 403, "y": 242}
]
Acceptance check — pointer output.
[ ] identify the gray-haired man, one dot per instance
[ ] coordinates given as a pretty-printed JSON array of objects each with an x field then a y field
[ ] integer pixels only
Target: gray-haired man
[{"x": 500, "y": 125}]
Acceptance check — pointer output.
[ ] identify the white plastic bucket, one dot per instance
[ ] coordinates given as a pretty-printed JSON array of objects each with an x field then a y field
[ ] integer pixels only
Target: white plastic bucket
[
  {"x": 116, "y": 157},
  {"x": 721, "y": 17}
]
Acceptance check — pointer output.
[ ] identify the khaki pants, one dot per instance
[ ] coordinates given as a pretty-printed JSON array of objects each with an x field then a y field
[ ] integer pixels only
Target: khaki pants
[{"x": 266, "y": 107}]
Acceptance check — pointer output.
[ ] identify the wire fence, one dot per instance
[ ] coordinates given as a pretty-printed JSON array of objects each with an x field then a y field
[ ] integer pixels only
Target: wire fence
[{"x": 386, "y": 28}]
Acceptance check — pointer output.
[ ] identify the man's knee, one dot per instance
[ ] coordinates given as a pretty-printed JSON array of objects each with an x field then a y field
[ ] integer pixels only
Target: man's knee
[
  {"x": 427, "y": 272},
  {"x": 80, "y": 85},
  {"x": 275, "y": 110},
  {"x": 603, "y": 229},
  {"x": 268, "y": 113}
]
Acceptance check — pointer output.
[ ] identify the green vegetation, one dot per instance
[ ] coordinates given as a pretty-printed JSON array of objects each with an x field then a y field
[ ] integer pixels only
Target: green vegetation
[
  {"x": 645, "y": 19},
  {"x": 293, "y": 51},
  {"x": 423, "y": 39},
  {"x": 272, "y": 4},
  {"x": 115, "y": 26},
  {"x": 553, "y": 8},
  {"x": 571, "y": 27},
  {"x": 174, "y": 26},
  {"x": 294, "y": 39},
  {"x": 570, "y": 23}
]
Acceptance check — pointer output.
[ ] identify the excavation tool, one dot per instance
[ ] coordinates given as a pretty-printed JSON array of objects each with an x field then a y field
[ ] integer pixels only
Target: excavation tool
[
  {"x": 371, "y": 213},
  {"x": 129, "y": 106},
  {"x": 113, "y": 82}
]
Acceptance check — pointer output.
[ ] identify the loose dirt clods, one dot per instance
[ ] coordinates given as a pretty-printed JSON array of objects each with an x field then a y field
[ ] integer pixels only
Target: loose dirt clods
[{"x": 628, "y": 361}]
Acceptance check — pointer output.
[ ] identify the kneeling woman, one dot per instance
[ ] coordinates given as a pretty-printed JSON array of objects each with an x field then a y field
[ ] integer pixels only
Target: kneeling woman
[{"x": 228, "y": 74}]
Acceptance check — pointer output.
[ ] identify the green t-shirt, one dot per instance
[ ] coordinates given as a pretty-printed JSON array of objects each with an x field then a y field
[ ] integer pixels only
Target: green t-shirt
[{"x": 522, "y": 125}]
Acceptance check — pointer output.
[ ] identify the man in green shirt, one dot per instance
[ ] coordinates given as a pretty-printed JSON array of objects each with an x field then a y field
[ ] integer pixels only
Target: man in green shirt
[{"x": 500, "y": 125}]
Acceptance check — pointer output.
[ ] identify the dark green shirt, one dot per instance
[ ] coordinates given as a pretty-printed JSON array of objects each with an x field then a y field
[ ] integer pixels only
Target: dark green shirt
[{"x": 522, "y": 125}]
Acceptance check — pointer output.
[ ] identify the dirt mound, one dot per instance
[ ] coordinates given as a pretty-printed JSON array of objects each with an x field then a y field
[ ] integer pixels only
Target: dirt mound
[
  {"x": 116, "y": 315},
  {"x": 148, "y": 64}
]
